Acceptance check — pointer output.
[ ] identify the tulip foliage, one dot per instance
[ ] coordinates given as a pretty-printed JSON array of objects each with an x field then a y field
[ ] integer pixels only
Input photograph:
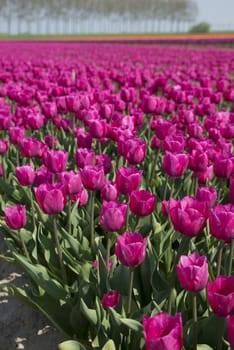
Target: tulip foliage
[{"x": 117, "y": 192}]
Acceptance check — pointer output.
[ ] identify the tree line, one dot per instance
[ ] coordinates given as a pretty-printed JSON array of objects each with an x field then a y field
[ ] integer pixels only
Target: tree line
[{"x": 75, "y": 16}]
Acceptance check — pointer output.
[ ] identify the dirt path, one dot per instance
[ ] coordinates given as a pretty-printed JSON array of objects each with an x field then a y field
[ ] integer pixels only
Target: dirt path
[{"x": 20, "y": 326}]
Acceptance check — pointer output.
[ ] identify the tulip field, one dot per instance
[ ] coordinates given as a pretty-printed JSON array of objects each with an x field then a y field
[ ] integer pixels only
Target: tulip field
[{"x": 117, "y": 191}]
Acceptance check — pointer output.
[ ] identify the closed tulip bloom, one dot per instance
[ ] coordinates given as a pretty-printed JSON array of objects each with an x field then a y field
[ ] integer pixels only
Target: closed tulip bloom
[
  {"x": 16, "y": 134},
  {"x": 43, "y": 175},
  {"x": 113, "y": 215},
  {"x": 223, "y": 166},
  {"x": 25, "y": 174},
  {"x": 55, "y": 161},
  {"x": 176, "y": 164},
  {"x": 71, "y": 181},
  {"x": 15, "y": 217},
  {"x": 103, "y": 160},
  {"x": 204, "y": 176},
  {"x": 97, "y": 128},
  {"x": 192, "y": 272},
  {"x": 109, "y": 191},
  {"x": 207, "y": 194},
  {"x": 84, "y": 139},
  {"x": 3, "y": 146},
  {"x": 130, "y": 248},
  {"x": 221, "y": 220},
  {"x": 174, "y": 143},
  {"x": 163, "y": 332},
  {"x": 133, "y": 150},
  {"x": 188, "y": 216},
  {"x": 221, "y": 295},
  {"x": 93, "y": 177},
  {"x": 51, "y": 198},
  {"x": 51, "y": 141},
  {"x": 31, "y": 147},
  {"x": 230, "y": 330},
  {"x": 84, "y": 157},
  {"x": 111, "y": 299},
  {"x": 142, "y": 203},
  {"x": 162, "y": 127},
  {"x": 82, "y": 197},
  {"x": 198, "y": 160},
  {"x": 128, "y": 179}
]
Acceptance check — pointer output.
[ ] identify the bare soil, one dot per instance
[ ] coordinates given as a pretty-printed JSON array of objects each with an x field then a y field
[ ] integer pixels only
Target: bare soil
[{"x": 20, "y": 326}]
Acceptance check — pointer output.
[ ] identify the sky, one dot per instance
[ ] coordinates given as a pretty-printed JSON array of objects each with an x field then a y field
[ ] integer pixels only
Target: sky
[{"x": 219, "y": 13}]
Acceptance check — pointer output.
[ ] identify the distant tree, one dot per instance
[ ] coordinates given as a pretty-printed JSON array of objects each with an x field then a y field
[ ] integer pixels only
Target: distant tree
[{"x": 202, "y": 27}]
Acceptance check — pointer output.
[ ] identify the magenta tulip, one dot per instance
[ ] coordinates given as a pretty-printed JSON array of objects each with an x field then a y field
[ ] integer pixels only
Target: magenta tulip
[
  {"x": 3, "y": 146},
  {"x": 84, "y": 157},
  {"x": 130, "y": 248},
  {"x": 188, "y": 215},
  {"x": 82, "y": 197},
  {"x": 113, "y": 215},
  {"x": 111, "y": 299},
  {"x": 192, "y": 272},
  {"x": 31, "y": 147},
  {"x": 163, "y": 332},
  {"x": 25, "y": 174},
  {"x": 71, "y": 181},
  {"x": 128, "y": 179},
  {"x": 221, "y": 295},
  {"x": 93, "y": 177},
  {"x": 109, "y": 191},
  {"x": 51, "y": 198},
  {"x": 55, "y": 161},
  {"x": 221, "y": 220},
  {"x": 142, "y": 203},
  {"x": 223, "y": 166},
  {"x": 16, "y": 134},
  {"x": 207, "y": 194},
  {"x": 176, "y": 164},
  {"x": 103, "y": 160},
  {"x": 198, "y": 160},
  {"x": 15, "y": 217}
]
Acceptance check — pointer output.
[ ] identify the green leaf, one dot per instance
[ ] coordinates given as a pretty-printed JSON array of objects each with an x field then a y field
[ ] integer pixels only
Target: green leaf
[
  {"x": 204, "y": 347},
  {"x": 71, "y": 345},
  {"x": 132, "y": 324},
  {"x": 90, "y": 314},
  {"x": 40, "y": 276},
  {"x": 110, "y": 345}
]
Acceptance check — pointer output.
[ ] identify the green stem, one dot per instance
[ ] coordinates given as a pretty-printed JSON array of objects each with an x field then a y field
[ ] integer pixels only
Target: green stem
[
  {"x": 23, "y": 246},
  {"x": 220, "y": 253},
  {"x": 231, "y": 258},
  {"x": 194, "y": 297},
  {"x": 195, "y": 180},
  {"x": 154, "y": 166},
  {"x": 69, "y": 215},
  {"x": 127, "y": 216},
  {"x": 165, "y": 188},
  {"x": 92, "y": 198},
  {"x": 130, "y": 290},
  {"x": 32, "y": 208},
  {"x": 172, "y": 187},
  {"x": 59, "y": 250},
  {"x": 52, "y": 132},
  {"x": 137, "y": 222},
  {"x": 182, "y": 246},
  {"x": 108, "y": 247}
]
